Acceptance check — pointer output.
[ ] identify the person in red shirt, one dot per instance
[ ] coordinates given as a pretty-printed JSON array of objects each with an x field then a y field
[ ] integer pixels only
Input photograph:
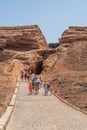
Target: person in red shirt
[{"x": 30, "y": 87}]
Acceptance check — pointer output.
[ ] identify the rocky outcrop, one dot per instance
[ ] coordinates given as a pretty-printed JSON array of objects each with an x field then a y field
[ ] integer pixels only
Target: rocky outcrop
[
  {"x": 74, "y": 34},
  {"x": 67, "y": 67},
  {"x": 75, "y": 41},
  {"x": 21, "y": 43},
  {"x": 25, "y": 37},
  {"x": 19, "y": 49},
  {"x": 71, "y": 55}
]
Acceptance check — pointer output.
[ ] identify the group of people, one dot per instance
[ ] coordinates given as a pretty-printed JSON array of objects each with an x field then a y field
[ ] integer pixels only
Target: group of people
[
  {"x": 25, "y": 75},
  {"x": 35, "y": 83}
]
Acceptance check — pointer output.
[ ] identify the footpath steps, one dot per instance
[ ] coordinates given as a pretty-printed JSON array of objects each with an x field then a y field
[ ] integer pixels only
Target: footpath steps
[{"x": 39, "y": 112}]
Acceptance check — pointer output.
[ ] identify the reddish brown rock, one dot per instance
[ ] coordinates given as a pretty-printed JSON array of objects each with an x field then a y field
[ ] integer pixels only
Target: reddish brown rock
[
  {"x": 18, "y": 50},
  {"x": 75, "y": 40},
  {"x": 74, "y": 34},
  {"x": 67, "y": 67},
  {"x": 28, "y": 37}
]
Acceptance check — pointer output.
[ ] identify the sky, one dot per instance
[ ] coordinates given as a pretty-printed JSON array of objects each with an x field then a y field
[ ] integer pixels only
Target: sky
[{"x": 52, "y": 16}]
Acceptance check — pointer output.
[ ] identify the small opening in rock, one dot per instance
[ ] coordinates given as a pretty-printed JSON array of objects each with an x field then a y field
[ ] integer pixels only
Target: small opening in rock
[{"x": 39, "y": 67}]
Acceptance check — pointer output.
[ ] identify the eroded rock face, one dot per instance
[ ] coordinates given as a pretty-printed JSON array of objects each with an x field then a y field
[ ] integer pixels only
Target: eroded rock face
[
  {"x": 71, "y": 55},
  {"x": 74, "y": 34},
  {"x": 67, "y": 67},
  {"x": 25, "y": 37},
  {"x": 75, "y": 40},
  {"x": 19, "y": 48}
]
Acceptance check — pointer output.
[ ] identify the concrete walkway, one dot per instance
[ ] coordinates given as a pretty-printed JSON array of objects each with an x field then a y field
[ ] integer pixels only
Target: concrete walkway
[{"x": 39, "y": 112}]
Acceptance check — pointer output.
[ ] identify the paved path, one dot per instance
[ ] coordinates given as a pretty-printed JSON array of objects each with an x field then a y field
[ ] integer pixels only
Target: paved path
[{"x": 44, "y": 113}]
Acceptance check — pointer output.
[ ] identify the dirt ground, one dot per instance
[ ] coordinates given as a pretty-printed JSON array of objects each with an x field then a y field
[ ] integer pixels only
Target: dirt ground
[
  {"x": 8, "y": 78},
  {"x": 6, "y": 90},
  {"x": 72, "y": 87}
]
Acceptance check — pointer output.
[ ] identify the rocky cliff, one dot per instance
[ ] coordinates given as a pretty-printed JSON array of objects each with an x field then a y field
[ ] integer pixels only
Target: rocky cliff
[
  {"x": 75, "y": 40},
  {"x": 65, "y": 67},
  {"x": 25, "y": 37},
  {"x": 21, "y": 47},
  {"x": 72, "y": 51},
  {"x": 68, "y": 69},
  {"x": 74, "y": 34}
]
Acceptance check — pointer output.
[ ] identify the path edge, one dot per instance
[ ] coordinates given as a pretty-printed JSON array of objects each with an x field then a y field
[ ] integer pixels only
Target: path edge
[
  {"x": 6, "y": 116},
  {"x": 69, "y": 104}
]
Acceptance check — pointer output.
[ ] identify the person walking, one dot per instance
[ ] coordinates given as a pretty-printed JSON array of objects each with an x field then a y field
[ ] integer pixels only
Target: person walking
[
  {"x": 33, "y": 85},
  {"x": 45, "y": 88},
  {"x": 50, "y": 88},
  {"x": 33, "y": 76},
  {"x": 36, "y": 88},
  {"x": 22, "y": 75},
  {"x": 26, "y": 75},
  {"x": 40, "y": 82},
  {"x": 30, "y": 87}
]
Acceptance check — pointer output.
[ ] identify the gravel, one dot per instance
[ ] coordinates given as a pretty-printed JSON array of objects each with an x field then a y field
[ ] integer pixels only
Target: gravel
[{"x": 39, "y": 112}]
